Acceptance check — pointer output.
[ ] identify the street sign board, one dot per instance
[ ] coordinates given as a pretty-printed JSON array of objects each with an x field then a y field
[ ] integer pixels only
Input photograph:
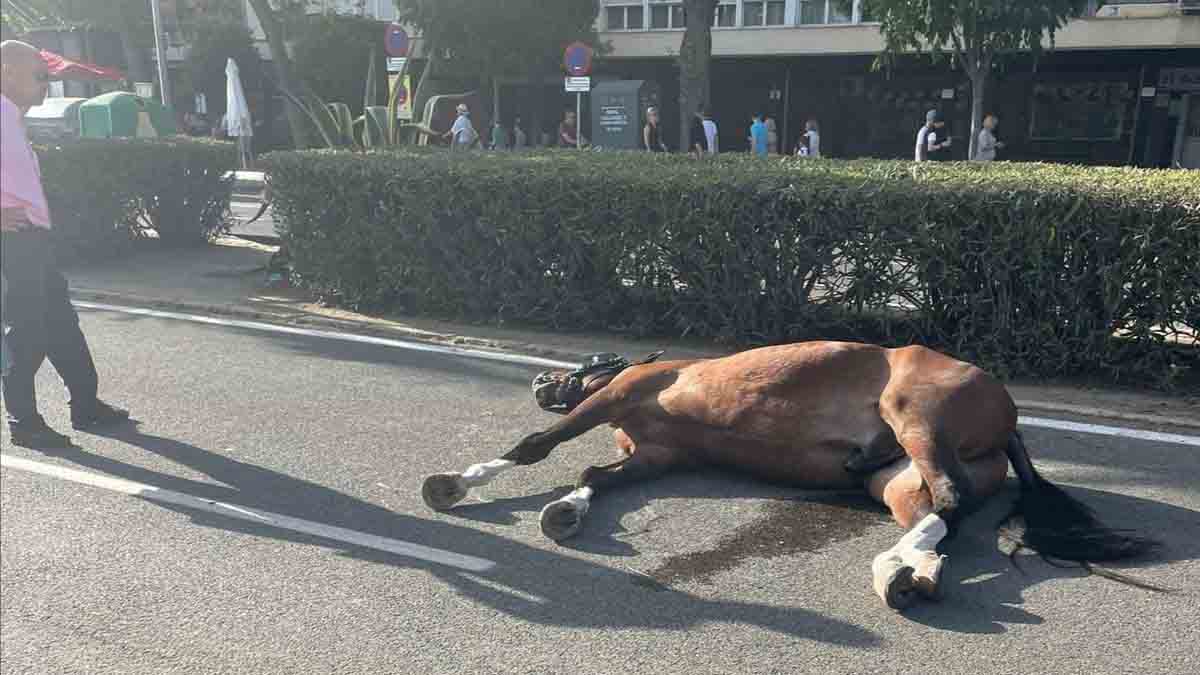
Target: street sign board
[
  {"x": 402, "y": 86},
  {"x": 144, "y": 89},
  {"x": 577, "y": 59},
  {"x": 396, "y": 64},
  {"x": 578, "y": 85},
  {"x": 395, "y": 42}
]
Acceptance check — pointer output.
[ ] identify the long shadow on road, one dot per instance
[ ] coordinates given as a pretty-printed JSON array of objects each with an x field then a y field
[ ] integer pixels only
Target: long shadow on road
[
  {"x": 545, "y": 587},
  {"x": 535, "y": 585}
]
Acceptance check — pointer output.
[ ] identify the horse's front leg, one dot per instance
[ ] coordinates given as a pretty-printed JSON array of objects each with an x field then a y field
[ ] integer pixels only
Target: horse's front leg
[
  {"x": 442, "y": 491},
  {"x": 563, "y": 518},
  {"x": 912, "y": 568}
]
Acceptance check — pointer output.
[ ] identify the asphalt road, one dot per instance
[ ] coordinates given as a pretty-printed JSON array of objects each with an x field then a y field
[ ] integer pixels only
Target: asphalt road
[{"x": 703, "y": 573}]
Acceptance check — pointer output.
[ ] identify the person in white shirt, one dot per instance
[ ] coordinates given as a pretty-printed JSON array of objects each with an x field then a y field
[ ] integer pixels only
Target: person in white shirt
[
  {"x": 813, "y": 137},
  {"x": 985, "y": 150},
  {"x": 710, "y": 132},
  {"x": 927, "y": 138},
  {"x": 462, "y": 135}
]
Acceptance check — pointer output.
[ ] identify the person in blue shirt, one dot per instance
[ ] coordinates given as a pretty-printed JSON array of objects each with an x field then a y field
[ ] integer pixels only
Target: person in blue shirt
[{"x": 759, "y": 136}]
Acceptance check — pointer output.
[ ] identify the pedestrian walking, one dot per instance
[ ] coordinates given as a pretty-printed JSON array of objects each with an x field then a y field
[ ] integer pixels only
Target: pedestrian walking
[
  {"x": 520, "y": 139},
  {"x": 985, "y": 149},
  {"x": 772, "y": 135},
  {"x": 697, "y": 142},
  {"x": 812, "y": 137},
  {"x": 462, "y": 135},
  {"x": 759, "y": 141},
  {"x": 928, "y": 146},
  {"x": 802, "y": 147},
  {"x": 41, "y": 321},
  {"x": 568, "y": 132},
  {"x": 499, "y": 136},
  {"x": 652, "y": 139},
  {"x": 711, "y": 133}
]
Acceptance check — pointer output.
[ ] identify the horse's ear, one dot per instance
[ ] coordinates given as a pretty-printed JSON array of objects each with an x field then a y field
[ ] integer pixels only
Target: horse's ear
[{"x": 651, "y": 358}]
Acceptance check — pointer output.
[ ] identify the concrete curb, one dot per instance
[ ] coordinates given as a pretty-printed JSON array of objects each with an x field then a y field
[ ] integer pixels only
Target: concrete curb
[
  {"x": 234, "y": 311},
  {"x": 544, "y": 351}
]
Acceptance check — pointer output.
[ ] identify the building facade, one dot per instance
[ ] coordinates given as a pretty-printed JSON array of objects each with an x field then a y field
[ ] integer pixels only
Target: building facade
[{"x": 1119, "y": 87}]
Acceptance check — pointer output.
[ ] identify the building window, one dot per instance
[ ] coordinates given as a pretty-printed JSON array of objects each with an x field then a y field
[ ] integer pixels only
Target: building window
[
  {"x": 625, "y": 17},
  {"x": 664, "y": 15},
  {"x": 815, "y": 12},
  {"x": 764, "y": 13},
  {"x": 726, "y": 15},
  {"x": 840, "y": 12}
]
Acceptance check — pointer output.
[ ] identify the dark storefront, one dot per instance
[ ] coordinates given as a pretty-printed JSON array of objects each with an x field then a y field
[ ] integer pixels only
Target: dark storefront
[{"x": 1082, "y": 107}]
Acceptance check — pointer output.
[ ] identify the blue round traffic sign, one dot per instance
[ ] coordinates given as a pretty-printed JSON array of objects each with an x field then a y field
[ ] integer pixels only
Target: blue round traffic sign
[
  {"x": 395, "y": 43},
  {"x": 577, "y": 59}
]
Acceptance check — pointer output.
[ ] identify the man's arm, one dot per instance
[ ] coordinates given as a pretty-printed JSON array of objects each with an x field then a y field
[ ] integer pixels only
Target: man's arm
[{"x": 14, "y": 216}]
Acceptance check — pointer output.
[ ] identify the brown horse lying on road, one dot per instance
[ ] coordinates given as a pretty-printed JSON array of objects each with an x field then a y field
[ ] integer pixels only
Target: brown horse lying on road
[{"x": 925, "y": 434}]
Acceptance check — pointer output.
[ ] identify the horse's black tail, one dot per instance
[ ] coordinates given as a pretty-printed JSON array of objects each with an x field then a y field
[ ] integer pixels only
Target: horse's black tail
[{"x": 1048, "y": 521}]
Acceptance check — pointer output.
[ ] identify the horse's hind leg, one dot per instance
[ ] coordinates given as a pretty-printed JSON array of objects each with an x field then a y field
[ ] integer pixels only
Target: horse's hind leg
[
  {"x": 441, "y": 491},
  {"x": 563, "y": 518}
]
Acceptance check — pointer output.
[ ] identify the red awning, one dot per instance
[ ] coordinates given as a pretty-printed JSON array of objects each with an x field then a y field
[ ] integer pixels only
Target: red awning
[{"x": 62, "y": 68}]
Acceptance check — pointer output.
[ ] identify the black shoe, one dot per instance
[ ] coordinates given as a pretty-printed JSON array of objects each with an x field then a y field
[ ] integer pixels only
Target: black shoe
[
  {"x": 99, "y": 416},
  {"x": 38, "y": 436}
]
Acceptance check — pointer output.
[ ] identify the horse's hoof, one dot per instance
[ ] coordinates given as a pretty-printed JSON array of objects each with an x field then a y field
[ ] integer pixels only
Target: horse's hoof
[
  {"x": 899, "y": 592},
  {"x": 927, "y": 577},
  {"x": 442, "y": 491},
  {"x": 561, "y": 520}
]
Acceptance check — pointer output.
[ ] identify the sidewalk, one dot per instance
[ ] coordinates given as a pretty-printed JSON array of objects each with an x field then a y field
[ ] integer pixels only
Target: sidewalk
[{"x": 229, "y": 278}]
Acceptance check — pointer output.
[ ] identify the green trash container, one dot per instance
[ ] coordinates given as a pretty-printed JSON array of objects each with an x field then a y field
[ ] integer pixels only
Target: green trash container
[{"x": 120, "y": 114}]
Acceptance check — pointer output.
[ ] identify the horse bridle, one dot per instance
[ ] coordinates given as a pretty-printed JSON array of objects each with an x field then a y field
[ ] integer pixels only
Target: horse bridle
[{"x": 570, "y": 388}]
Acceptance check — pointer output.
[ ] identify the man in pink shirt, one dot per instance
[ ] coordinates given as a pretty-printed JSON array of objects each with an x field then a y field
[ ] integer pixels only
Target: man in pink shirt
[{"x": 40, "y": 320}]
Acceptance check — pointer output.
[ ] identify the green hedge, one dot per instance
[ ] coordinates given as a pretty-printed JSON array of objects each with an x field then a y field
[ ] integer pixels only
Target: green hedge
[
  {"x": 102, "y": 193},
  {"x": 1028, "y": 269}
]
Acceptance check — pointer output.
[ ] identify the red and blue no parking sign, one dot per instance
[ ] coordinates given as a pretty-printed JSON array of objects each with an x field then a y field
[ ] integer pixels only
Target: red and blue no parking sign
[
  {"x": 395, "y": 42},
  {"x": 577, "y": 59}
]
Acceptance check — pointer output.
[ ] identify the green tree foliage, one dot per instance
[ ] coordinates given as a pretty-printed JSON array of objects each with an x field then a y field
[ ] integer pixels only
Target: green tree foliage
[
  {"x": 213, "y": 42},
  {"x": 332, "y": 54},
  {"x": 482, "y": 40},
  {"x": 973, "y": 32},
  {"x": 130, "y": 19}
]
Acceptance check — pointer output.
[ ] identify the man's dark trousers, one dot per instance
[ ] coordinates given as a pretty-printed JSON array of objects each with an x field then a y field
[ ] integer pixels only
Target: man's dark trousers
[{"x": 41, "y": 324}]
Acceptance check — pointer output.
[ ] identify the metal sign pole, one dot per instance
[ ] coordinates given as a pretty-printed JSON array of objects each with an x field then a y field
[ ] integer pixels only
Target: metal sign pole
[
  {"x": 164, "y": 85},
  {"x": 578, "y": 121}
]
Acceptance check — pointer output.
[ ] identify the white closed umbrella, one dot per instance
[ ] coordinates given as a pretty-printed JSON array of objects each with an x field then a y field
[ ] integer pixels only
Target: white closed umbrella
[{"x": 237, "y": 113}]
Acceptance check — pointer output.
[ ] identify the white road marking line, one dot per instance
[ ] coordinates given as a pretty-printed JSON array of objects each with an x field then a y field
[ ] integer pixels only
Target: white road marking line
[
  {"x": 1101, "y": 430},
  {"x": 331, "y": 335},
  {"x": 520, "y": 359},
  {"x": 154, "y": 494}
]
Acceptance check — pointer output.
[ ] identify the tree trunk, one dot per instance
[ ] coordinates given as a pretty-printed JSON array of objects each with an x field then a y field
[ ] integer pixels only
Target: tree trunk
[
  {"x": 135, "y": 57},
  {"x": 979, "y": 79},
  {"x": 297, "y": 122},
  {"x": 425, "y": 87},
  {"x": 695, "y": 61},
  {"x": 537, "y": 103}
]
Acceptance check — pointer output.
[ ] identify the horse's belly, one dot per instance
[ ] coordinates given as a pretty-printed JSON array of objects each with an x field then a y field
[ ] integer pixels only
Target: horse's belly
[
  {"x": 808, "y": 451},
  {"x": 815, "y": 467}
]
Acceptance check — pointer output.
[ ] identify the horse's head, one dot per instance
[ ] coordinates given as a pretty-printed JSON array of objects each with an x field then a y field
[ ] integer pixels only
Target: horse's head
[{"x": 560, "y": 391}]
